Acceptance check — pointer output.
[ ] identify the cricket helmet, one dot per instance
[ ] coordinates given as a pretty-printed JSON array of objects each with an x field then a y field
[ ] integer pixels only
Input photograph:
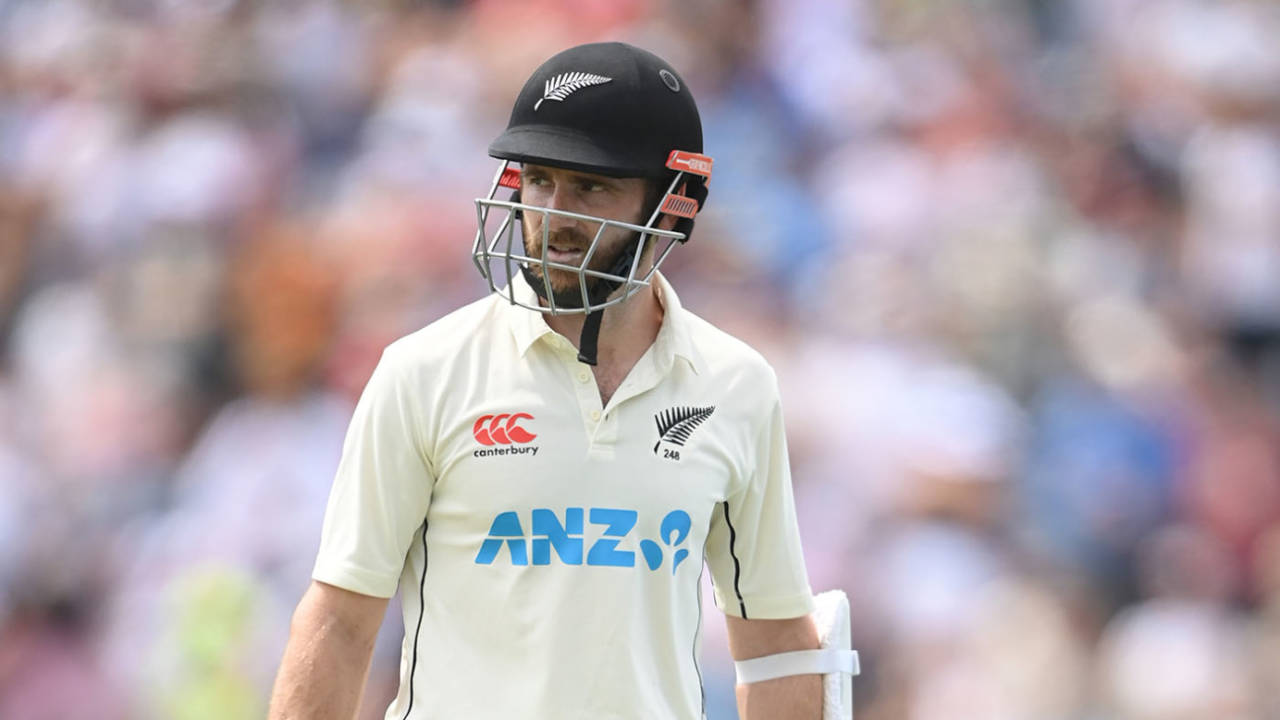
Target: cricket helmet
[{"x": 605, "y": 108}]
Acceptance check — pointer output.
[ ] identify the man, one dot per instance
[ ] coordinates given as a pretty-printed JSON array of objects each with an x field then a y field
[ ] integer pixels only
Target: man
[{"x": 541, "y": 473}]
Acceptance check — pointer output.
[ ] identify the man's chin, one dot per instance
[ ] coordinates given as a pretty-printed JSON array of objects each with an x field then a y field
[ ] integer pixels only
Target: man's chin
[
  {"x": 565, "y": 287},
  {"x": 570, "y": 295}
]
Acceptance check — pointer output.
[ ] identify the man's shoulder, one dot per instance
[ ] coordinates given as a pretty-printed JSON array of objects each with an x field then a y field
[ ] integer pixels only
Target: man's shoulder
[
  {"x": 447, "y": 336},
  {"x": 725, "y": 354}
]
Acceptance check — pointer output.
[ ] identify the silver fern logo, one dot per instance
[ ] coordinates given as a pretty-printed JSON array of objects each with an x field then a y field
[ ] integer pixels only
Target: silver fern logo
[
  {"x": 565, "y": 84},
  {"x": 676, "y": 424}
]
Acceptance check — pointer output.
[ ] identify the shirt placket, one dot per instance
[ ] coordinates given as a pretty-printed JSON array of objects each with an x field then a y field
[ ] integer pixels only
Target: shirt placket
[{"x": 645, "y": 376}]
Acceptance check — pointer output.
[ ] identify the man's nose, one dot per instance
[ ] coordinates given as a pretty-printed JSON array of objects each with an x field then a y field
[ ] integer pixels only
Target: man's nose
[{"x": 561, "y": 199}]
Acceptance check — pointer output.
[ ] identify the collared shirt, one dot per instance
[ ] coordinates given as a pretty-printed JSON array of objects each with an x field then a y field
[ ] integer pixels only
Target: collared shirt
[{"x": 548, "y": 549}]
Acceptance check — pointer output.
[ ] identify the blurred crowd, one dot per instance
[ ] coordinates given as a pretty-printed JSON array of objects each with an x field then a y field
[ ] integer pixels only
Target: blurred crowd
[{"x": 1017, "y": 263}]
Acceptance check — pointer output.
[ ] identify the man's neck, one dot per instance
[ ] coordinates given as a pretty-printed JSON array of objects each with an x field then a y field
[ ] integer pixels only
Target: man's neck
[{"x": 627, "y": 329}]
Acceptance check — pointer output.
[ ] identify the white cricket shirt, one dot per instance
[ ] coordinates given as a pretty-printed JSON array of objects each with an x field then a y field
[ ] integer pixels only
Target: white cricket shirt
[{"x": 547, "y": 549}]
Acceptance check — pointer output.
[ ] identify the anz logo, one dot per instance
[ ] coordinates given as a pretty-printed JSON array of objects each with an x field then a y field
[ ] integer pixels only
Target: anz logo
[{"x": 550, "y": 535}]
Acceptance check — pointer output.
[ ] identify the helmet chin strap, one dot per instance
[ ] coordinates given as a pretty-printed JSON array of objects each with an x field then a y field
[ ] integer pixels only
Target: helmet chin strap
[{"x": 589, "y": 340}]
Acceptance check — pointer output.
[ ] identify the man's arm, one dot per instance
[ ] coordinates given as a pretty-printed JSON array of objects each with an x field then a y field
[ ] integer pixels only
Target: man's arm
[
  {"x": 326, "y": 661},
  {"x": 798, "y": 697}
]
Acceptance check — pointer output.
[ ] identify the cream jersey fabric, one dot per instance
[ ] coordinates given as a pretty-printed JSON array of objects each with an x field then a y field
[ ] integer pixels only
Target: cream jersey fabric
[{"x": 548, "y": 550}]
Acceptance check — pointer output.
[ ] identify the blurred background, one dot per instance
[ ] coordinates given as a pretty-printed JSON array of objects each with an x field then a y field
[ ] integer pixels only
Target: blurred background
[{"x": 1017, "y": 263}]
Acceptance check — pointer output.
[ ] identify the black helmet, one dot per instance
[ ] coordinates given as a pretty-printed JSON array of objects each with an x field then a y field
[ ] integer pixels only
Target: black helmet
[{"x": 607, "y": 108}]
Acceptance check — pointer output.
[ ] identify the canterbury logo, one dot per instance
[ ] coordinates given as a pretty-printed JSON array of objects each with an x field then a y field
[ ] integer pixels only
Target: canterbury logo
[
  {"x": 676, "y": 424},
  {"x": 565, "y": 84},
  {"x": 502, "y": 429}
]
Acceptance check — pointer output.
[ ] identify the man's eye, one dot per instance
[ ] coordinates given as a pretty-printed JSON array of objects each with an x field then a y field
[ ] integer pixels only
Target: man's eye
[
  {"x": 534, "y": 180},
  {"x": 592, "y": 187}
]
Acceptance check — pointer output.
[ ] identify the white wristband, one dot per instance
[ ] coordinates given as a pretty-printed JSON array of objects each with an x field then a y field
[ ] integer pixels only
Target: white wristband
[{"x": 800, "y": 662}]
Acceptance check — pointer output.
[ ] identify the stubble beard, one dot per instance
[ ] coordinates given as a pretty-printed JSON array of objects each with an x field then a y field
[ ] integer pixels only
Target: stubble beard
[{"x": 565, "y": 287}]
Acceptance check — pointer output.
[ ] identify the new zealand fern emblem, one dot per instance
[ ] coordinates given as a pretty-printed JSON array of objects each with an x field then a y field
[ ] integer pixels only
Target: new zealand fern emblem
[
  {"x": 565, "y": 84},
  {"x": 676, "y": 424}
]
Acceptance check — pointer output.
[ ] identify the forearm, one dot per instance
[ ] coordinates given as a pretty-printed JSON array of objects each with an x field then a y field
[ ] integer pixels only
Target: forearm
[
  {"x": 324, "y": 669},
  {"x": 798, "y": 697}
]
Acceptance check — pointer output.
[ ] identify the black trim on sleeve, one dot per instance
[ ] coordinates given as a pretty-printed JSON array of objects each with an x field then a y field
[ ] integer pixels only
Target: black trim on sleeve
[
  {"x": 702, "y": 688},
  {"x": 422, "y": 610},
  {"x": 737, "y": 568}
]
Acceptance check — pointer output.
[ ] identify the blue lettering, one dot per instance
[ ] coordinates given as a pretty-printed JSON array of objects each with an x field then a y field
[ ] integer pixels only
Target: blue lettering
[
  {"x": 604, "y": 551},
  {"x": 681, "y": 554},
  {"x": 652, "y": 553},
  {"x": 566, "y": 538},
  {"x": 549, "y": 533},
  {"x": 678, "y": 522},
  {"x": 505, "y": 525},
  {"x": 675, "y": 528}
]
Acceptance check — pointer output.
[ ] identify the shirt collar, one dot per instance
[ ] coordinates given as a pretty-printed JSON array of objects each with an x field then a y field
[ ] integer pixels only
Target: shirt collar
[
  {"x": 674, "y": 337},
  {"x": 528, "y": 326}
]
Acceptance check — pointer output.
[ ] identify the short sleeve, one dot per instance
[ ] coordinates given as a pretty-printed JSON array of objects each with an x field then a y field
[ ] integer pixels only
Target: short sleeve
[
  {"x": 381, "y": 490},
  {"x": 753, "y": 548}
]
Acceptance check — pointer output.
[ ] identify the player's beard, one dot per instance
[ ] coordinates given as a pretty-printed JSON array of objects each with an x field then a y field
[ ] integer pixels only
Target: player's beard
[{"x": 565, "y": 287}]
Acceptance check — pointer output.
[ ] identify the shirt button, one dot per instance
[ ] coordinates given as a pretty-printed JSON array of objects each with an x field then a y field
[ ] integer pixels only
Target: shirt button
[
  {"x": 595, "y": 415},
  {"x": 583, "y": 375}
]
